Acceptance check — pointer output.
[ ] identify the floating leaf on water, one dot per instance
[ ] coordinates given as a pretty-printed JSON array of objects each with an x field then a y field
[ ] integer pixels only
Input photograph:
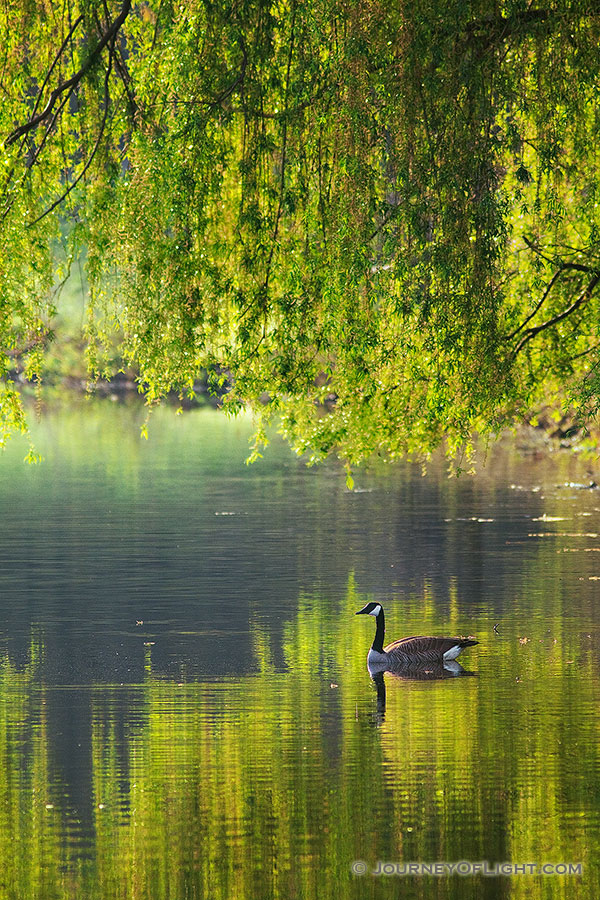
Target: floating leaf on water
[{"x": 471, "y": 519}]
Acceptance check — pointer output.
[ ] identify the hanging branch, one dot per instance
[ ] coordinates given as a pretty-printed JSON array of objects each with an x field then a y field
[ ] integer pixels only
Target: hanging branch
[
  {"x": 108, "y": 37},
  {"x": 585, "y": 352},
  {"x": 31, "y": 163},
  {"x": 563, "y": 267},
  {"x": 228, "y": 91},
  {"x": 283, "y": 153},
  {"x": 538, "y": 305},
  {"x": 579, "y": 267},
  {"x": 65, "y": 194},
  {"x": 583, "y": 297},
  {"x": 55, "y": 61}
]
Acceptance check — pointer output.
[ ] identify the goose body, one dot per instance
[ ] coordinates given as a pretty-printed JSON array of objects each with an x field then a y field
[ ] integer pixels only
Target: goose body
[{"x": 410, "y": 652}]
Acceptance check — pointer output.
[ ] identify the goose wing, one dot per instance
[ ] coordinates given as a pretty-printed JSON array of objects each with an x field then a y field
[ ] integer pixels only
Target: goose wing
[{"x": 427, "y": 648}]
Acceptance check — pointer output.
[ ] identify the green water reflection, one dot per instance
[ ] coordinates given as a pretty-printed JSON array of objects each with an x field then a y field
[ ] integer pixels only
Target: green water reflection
[
  {"x": 271, "y": 784},
  {"x": 185, "y": 710}
]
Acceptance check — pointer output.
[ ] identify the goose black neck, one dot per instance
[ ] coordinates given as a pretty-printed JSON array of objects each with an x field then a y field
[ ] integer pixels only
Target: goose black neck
[{"x": 378, "y": 642}]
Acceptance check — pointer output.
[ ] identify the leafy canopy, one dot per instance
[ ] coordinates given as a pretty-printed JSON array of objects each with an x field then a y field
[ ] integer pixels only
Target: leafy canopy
[{"x": 379, "y": 219}]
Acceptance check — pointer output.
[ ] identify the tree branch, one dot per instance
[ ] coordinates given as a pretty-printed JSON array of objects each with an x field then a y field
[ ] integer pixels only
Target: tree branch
[
  {"x": 504, "y": 26},
  {"x": 61, "y": 50},
  {"x": 237, "y": 81},
  {"x": 563, "y": 267},
  {"x": 71, "y": 83},
  {"x": 578, "y": 267},
  {"x": 585, "y": 352},
  {"x": 583, "y": 297},
  {"x": 537, "y": 250},
  {"x": 65, "y": 194},
  {"x": 283, "y": 151},
  {"x": 490, "y": 29},
  {"x": 538, "y": 305}
]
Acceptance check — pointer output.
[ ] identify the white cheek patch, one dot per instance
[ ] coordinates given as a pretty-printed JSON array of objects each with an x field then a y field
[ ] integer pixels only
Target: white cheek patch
[{"x": 376, "y": 611}]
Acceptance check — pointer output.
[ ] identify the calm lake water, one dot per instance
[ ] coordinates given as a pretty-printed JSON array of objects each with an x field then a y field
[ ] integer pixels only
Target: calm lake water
[{"x": 185, "y": 710}]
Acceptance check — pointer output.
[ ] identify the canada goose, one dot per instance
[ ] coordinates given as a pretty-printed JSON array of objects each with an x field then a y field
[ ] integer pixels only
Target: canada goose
[{"x": 411, "y": 651}]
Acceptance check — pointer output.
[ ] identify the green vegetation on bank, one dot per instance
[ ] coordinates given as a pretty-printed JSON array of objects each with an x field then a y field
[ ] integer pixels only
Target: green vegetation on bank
[{"x": 383, "y": 218}]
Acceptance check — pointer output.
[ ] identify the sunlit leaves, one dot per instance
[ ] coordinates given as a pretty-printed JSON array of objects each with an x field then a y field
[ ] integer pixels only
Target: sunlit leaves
[{"x": 357, "y": 213}]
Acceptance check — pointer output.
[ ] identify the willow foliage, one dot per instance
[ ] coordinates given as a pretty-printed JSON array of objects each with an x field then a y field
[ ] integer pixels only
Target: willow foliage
[{"x": 379, "y": 218}]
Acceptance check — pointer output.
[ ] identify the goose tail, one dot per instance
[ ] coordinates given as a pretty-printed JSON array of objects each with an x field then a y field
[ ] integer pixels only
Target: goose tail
[{"x": 458, "y": 648}]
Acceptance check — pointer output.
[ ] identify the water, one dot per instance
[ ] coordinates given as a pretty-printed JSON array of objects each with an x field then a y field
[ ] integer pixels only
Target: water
[{"x": 185, "y": 710}]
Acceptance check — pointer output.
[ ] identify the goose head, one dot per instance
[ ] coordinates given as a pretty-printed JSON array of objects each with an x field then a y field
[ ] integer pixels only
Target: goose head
[{"x": 371, "y": 609}]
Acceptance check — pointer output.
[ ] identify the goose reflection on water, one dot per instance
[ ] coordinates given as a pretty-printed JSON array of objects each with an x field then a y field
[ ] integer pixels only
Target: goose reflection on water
[{"x": 436, "y": 672}]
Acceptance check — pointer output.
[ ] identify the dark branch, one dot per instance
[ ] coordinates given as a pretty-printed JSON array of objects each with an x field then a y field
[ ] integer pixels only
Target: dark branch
[
  {"x": 106, "y": 38},
  {"x": 491, "y": 29},
  {"x": 583, "y": 297},
  {"x": 387, "y": 218},
  {"x": 237, "y": 81},
  {"x": 65, "y": 194},
  {"x": 537, "y": 250},
  {"x": 283, "y": 151},
  {"x": 563, "y": 267},
  {"x": 61, "y": 50},
  {"x": 538, "y": 305},
  {"x": 37, "y": 102},
  {"x": 504, "y": 26},
  {"x": 578, "y": 267},
  {"x": 585, "y": 352}
]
